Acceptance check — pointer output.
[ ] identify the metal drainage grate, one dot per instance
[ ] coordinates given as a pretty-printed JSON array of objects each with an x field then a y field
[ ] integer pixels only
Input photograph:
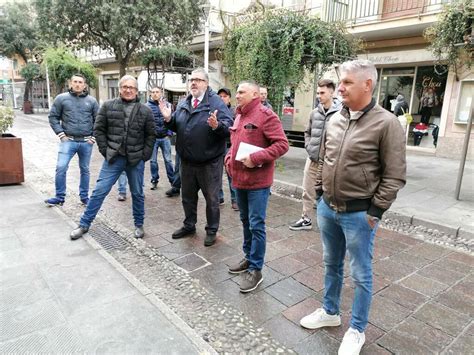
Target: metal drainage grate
[{"x": 107, "y": 238}]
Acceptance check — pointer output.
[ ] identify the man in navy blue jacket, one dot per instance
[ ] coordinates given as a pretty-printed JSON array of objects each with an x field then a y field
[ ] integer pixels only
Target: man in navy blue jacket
[
  {"x": 72, "y": 118},
  {"x": 201, "y": 123},
  {"x": 162, "y": 140}
]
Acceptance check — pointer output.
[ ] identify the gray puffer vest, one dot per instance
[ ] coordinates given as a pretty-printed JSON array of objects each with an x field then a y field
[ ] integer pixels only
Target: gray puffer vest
[{"x": 316, "y": 125}]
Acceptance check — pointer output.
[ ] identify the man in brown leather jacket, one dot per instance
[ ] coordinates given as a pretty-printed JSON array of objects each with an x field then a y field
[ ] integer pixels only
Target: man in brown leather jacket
[{"x": 361, "y": 168}]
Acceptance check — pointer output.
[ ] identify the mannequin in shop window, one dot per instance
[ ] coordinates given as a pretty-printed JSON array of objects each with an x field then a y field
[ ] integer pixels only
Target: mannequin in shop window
[{"x": 428, "y": 101}]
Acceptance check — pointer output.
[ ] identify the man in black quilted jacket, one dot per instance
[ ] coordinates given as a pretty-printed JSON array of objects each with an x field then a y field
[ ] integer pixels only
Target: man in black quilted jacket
[{"x": 125, "y": 135}]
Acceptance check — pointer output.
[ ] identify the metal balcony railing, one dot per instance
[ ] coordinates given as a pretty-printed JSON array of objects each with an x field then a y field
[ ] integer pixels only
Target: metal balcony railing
[{"x": 362, "y": 11}]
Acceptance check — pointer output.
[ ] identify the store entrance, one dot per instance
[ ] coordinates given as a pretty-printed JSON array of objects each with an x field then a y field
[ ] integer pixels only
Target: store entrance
[{"x": 395, "y": 82}]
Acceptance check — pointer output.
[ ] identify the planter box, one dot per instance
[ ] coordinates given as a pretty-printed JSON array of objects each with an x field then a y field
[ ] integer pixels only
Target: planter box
[{"x": 11, "y": 160}]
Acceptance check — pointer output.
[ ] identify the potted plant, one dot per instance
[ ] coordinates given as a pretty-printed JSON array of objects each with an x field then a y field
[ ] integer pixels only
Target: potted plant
[{"x": 11, "y": 154}]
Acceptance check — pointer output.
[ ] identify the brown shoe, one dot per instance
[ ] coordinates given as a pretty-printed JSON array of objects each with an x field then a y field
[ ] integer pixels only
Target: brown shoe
[
  {"x": 239, "y": 268},
  {"x": 251, "y": 281},
  {"x": 235, "y": 206}
]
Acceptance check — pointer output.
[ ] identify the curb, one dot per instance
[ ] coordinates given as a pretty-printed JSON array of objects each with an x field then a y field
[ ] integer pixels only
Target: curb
[
  {"x": 202, "y": 346},
  {"x": 295, "y": 192}
]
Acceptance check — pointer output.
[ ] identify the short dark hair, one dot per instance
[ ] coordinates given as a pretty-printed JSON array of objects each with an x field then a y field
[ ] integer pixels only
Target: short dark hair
[
  {"x": 80, "y": 76},
  {"x": 327, "y": 83}
]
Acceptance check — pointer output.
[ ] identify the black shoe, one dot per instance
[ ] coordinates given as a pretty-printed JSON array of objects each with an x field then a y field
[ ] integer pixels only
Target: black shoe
[
  {"x": 172, "y": 192},
  {"x": 210, "y": 239},
  {"x": 242, "y": 266},
  {"x": 183, "y": 232},
  {"x": 122, "y": 197},
  {"x": 251, "y": 281},
  {"x": 221, "y": 202},
  {"x": 154, "y": 185},
  {"x": 78, "y": 232},
  {"x": 139, "y": 232}
]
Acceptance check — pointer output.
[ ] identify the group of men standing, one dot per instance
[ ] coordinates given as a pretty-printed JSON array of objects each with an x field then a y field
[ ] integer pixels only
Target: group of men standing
[{"x": 355, "y": 167}]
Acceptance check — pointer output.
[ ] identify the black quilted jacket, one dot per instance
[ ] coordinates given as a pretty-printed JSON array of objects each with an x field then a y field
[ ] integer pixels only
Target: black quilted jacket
[{"x": 109, "y": 131}]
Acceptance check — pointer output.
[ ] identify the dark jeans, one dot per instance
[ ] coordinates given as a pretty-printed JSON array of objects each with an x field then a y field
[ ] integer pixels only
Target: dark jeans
[
  {"x": 177, "y": 172},
  {"x": 253, "y": 209},
  {"x": 426, "y": 114},
  {"x": 208, "y": 178}
]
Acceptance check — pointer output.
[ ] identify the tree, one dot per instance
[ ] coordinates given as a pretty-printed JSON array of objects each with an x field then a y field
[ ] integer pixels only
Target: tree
[
  {"x": 30, "y": 72},
  {"x": 62, "y": 65},
  {"x": 124, "y": 27},
  {"x": 166, "y": 59},
  {"x": 451, "y": 37},
  {"x": 19, "y": 37},
  {"x": 278, "y": 48}
]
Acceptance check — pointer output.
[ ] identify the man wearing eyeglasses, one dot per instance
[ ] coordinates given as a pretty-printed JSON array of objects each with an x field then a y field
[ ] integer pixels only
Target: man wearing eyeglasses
[
  {"x": 125, "y": 135},
  {"x": 201, "y": 123}
]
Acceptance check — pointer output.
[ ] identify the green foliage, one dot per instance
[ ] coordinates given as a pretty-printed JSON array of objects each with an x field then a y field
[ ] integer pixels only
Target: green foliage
[
  {"x": 62, "y": 64},
  {"x": 31, "y": 72},
  {"x": 124, "y": 27},
  {"x": 167, "y": 58},
  {"x": 277, "y": 49},
  {"x": 6, "y": 118},
  {"x": 18, "y": 31},
  {"x": 449, "y": 35}
]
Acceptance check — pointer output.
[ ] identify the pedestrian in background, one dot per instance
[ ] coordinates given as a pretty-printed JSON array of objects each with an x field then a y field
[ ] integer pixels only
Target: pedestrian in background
[
  {"x": 313, "y": 134},
  {"x": 162, "y": 139},
  {"x": 125, "y": 134},
  {"x": 201, "y": 123},
  {"x": 252, "y": 176},
  {"x": 361, "y": 168},
  {"x": 264, "y": 97},
  {"x": 72, "y": 118},
  {"x": 226, "y": 95}
]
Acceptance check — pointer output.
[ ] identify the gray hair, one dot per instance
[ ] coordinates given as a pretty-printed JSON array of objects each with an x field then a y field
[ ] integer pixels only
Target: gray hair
[
  {"x": 201, "y": 71},
  {"x": 363, "y": 68},
  {"x": 128, "y": 77},
  {"x": 251, "y": 83}
]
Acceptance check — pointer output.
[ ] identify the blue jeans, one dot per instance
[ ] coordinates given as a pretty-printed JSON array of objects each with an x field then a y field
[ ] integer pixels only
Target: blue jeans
[
  {"x": 108, "y": 176},
  {"x": 165, "y": 145},
  {"x": 340, "y": 232},
  {"x": 253, "y": 210},
  {"x": 177, "y": 172},
  {"x": 122, "y": 183},
  {"x": 66, "y": 152}
]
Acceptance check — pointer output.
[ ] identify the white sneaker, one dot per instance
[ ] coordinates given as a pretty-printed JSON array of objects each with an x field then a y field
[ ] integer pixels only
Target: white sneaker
[
  {"x": 351, "y": 343},
  {"x": 320, "y": 318}
]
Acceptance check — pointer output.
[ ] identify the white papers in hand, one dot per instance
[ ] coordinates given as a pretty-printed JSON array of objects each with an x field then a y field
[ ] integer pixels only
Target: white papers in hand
[{"x": 245, "y": 149}]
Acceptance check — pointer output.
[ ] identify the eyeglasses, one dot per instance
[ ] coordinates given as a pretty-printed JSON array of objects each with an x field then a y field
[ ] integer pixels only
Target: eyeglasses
[
  {"x": 131, "y": 88},
  {"x": 195, "y": 80}
]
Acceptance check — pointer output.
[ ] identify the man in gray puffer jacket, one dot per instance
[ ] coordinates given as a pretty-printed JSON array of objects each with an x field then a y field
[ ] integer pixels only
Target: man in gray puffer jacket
[{"x": 317, "y": 123}]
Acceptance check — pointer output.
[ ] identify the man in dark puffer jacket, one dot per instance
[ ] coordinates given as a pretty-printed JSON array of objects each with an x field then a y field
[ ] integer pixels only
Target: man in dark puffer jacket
[{"x": 125, "y": 134}]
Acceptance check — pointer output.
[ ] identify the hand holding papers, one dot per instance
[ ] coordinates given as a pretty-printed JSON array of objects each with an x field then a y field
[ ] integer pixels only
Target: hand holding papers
[{"x": 243, "y": 153}]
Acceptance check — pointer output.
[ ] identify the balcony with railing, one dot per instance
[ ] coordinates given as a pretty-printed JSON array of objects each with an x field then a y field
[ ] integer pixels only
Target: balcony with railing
[{"x": 355, "y": 12}]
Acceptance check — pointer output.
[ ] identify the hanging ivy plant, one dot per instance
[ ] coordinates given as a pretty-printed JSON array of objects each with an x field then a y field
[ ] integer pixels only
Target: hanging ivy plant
[
  {"x": 277, "y": 49},
  {"x": 451, "y": 36}
]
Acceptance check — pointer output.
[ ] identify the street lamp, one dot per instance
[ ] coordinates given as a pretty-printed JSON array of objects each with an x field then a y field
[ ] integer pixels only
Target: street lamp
[{"x": 206, "y": 8}]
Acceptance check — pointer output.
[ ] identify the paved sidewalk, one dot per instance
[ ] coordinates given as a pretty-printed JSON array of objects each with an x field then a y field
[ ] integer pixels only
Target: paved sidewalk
[{"x": 59, "y": 296}]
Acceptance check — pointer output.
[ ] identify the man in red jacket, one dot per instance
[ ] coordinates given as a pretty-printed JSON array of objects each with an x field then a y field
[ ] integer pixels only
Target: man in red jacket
[{"x": 252, "y": 175}]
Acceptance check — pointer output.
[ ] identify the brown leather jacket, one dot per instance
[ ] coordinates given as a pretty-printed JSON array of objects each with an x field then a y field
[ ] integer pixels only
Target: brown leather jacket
[{"x": 362, "y": 161}]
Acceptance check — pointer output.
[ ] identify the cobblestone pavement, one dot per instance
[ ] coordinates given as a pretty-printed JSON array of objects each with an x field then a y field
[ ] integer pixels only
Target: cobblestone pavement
[{"x": 423, "y": 293}]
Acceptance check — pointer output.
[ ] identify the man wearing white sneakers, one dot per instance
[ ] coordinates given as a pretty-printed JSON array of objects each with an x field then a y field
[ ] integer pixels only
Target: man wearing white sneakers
[{"x": 361, "y": 168}]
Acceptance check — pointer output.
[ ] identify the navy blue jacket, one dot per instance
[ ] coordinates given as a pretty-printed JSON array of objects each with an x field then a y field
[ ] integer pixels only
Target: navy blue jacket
[
  {"x": 196, "y": 141},
  {"x": 73, "y": 114},
  {"x": 160, "y": 129}
]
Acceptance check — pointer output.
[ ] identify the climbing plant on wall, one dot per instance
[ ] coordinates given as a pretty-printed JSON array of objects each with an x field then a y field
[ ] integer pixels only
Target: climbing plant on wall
[
  {"x": 451, "y": 36},
  {"x": 279, "y": 47}
]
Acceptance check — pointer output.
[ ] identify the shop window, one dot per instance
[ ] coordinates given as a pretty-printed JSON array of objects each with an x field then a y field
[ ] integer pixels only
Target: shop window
[
  {"x": 113, "y": 89},
  {"x": 465, "y": 102},
  {"x": 395, "y": 82}
]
